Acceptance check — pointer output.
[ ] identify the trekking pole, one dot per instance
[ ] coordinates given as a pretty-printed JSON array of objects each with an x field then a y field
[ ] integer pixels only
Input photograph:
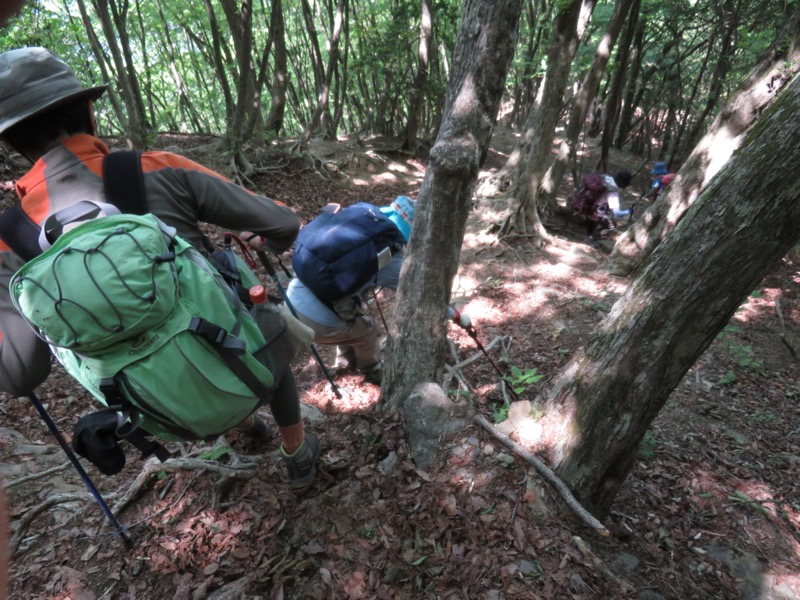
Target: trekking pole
[
  {"x": 274, "y": 276},
  {"x": 456, "y": 317},
  {"x": 118, "y": 528},
  {"x": 380, "y": 310}
]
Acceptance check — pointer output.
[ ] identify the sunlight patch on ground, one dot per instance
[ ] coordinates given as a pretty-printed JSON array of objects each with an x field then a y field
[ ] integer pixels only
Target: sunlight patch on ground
[{"x": 378, "y": 178}]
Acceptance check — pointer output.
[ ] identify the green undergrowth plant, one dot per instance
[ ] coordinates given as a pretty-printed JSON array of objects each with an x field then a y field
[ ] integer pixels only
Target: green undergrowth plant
[
  {"x": 520, "y": 380},
  {"x": 647, "y": 447},
  {"x": 742, "y": 355}
]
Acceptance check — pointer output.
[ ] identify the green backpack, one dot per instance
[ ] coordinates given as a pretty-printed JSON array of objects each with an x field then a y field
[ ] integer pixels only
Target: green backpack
[{"x": 145, "y": 322}]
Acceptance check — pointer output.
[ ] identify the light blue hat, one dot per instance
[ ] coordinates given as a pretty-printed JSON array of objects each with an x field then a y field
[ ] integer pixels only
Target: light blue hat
[{"x": 401, "y": 213}]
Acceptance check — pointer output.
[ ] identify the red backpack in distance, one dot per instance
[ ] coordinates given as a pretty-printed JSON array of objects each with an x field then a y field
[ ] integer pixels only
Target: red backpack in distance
[{"x": 593, "y": 186}]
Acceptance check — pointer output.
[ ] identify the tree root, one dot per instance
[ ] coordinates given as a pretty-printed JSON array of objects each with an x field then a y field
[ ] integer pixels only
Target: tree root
[
  {"x": 31, "y": 514},
  {"x": 547, "y": 474},
  {"x": 153, "y": 466},
  {"x": 33, "y": 476}
]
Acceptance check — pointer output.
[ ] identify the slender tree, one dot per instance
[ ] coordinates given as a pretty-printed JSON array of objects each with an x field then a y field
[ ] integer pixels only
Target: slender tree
[
  {"x": 529, "y": 160},
  {"x": 421, "y": 78},
  {"x": 581, "y": 103},
  {"x": 485, "y": 46}
]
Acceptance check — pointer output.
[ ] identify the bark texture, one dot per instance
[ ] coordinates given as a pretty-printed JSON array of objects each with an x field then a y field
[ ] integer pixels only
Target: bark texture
[
  {"x": 742, "y": 224},
  {"x": 485, "y": 46}
]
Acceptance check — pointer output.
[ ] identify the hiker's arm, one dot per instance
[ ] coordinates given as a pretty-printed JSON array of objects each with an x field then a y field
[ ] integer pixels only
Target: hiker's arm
[
  {"x": 389, "y": 276},
  {"x": 226, "y": 204},
  {"x": 185, "y": 191},
  {"x": 24, "y": 358}
]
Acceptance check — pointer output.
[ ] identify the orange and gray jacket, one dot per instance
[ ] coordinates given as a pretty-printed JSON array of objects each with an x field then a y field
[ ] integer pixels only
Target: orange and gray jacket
[{"x": 179, "y": 191}]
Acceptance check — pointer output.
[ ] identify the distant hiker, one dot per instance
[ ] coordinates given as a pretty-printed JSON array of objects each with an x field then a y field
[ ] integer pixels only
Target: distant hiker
[
  {"x": 47, "y": 116},
  {"x": 598, "y": 200},
  {"x": 661, "y": 179},
  {"x": 338, "y": 317}
]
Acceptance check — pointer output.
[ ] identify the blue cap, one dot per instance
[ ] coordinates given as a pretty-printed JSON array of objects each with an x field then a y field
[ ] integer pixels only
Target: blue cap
[
  {"x": 659, "y": 168},
  {"x": 401, "y": 213}
]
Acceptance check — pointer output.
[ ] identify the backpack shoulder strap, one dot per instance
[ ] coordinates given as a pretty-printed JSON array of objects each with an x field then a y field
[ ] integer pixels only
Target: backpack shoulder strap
[
  {"x": 19, "y": 232},
  {"x": 123, "y": 181}
]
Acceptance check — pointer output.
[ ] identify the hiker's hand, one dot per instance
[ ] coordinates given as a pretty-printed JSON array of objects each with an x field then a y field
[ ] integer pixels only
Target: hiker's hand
[{"x": 255, "y": 241}]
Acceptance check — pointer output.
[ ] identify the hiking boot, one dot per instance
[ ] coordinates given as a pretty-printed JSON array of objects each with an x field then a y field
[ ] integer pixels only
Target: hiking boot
[
  {"x": 301, "y": 465},
  {"x": 256, "y": 429},
  {"x": 375, "y": 377}
]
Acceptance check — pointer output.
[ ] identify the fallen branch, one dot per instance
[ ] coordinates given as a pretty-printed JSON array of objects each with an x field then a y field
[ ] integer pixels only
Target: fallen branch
[
  {"x": 547, "y": 474},
  {"x": 455, "y": 370},
  {"x": 10, "y": 484}
]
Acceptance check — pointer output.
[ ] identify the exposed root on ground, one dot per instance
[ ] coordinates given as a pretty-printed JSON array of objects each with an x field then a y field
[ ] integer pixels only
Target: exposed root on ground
[
  {"x": 33, "y": 476},
  {"x": 233, "y": 471},
  {"x": 29, "y": 516}
]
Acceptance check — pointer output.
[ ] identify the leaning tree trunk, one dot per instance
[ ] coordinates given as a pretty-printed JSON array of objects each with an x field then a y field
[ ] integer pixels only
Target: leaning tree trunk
[
  {"x": 743, "y": 223},
  {"x": 636, "y": 245},
  {"x": 417, "y": 345}
]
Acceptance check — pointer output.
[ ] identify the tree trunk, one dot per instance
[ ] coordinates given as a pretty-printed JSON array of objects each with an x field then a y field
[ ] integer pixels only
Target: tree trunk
[
  {"x": 420, "y": 80},
  {"x": 240, "y": 21},
  {"x": 729, "y": 23},
  {"x": 633, "y": 40},
  {"x": 219, "y": 62},
  {"x": 636, "y": 245},
  {"x": 614, "y": 99},
  {"x": 580, "y": 107},
  {"x": 483, "y": 53},
  {"x": 277, "y": 31},
  {"x": 97, "y": 51},
  {"x": 743, "y": 223},
  {"x": 134, "y": 125},
  {"x": 324, "y": 84},
  {"x": 533, "y": 153}
]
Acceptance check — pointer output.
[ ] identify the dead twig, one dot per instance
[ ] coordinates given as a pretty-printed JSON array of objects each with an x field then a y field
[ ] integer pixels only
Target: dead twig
[
  {"x": 547, "y": 474},
  {"x": 455, "y": 370}
]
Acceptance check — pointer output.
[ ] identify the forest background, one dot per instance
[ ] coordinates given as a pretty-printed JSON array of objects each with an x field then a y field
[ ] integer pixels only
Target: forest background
[{"x": 651, "y": 79}]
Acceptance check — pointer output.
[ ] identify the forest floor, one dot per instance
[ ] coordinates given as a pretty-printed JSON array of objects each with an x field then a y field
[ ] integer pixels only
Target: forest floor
[{"x": 711, "y": 510}]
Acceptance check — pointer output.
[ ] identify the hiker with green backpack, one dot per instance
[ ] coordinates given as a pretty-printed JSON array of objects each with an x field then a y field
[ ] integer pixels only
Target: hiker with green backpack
[{"x": 105, "y": 265}]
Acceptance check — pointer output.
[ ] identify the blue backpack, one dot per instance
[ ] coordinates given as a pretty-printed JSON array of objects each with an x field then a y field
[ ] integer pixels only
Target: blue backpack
[{"x": 339, "y": 252}]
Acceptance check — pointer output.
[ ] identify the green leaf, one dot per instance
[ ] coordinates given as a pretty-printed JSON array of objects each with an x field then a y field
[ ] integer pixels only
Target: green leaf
[
  {"x": 419, "y": 561},
  {"x": 215, "y": 453}
]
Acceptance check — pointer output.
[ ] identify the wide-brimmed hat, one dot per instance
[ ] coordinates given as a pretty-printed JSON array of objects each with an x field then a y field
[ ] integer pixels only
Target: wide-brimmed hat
[
  {"x": 401, "y": 213},
  {"x": 659, "y": 168},
  {"x": 33, "y": 80}
]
